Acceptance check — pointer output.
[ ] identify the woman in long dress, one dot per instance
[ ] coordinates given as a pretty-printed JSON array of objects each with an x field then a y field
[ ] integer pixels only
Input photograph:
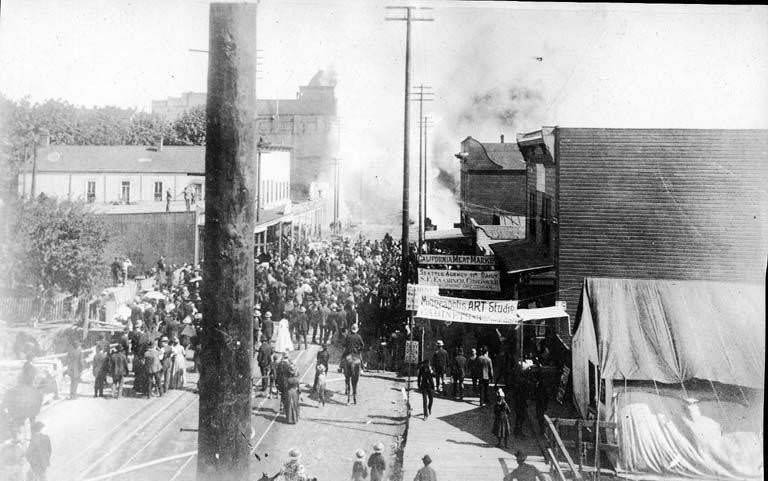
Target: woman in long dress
[
  {"x": 284, "y": 343},
  {"x": 179, "y": 372},
  {"x": 291, "y": 398}
]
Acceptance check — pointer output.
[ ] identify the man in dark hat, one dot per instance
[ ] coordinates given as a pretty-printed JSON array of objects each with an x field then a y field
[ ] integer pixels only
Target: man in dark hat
[
  {"x": 302, "y": 327},
  {"x": 119, "y": 367},
  {"x": 38, "y": 453},
  {"x": 323, "y": 356},
  {"x": 426, "y": 473},
  {"x": 523, "y": 471},
  {"x": 264, "y": 359}
]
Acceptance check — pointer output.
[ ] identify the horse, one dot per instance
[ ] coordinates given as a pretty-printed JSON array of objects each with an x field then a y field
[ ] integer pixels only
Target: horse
[{"x": 351, "y": 367}]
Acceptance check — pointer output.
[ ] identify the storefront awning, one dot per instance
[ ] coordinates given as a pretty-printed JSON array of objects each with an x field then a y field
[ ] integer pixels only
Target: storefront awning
[
  {"x": 444, "y": 234},
  {"x": 519, "y": 256}
]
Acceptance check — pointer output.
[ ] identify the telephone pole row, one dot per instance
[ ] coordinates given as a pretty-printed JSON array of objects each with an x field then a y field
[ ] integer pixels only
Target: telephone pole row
[{"x": 408, "y": 17}]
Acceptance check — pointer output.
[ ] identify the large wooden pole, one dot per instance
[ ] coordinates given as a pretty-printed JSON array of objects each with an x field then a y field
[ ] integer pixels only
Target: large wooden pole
[
  {"x": 404, "y": 264},
  {"x": 227, "y": 295}
]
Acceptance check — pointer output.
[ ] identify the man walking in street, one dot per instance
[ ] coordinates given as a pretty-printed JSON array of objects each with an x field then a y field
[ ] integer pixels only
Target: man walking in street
[
  {"x": 267, "y": 327},
  {"x": 459, "y": 372},
  {"x": 75, "y": 363},
  {"x": 100, "y": 367},
  {"x": 426, "y": 473},
  {"x": 154, "y": 369},
  {"x": 485, "y": 371},
  {"x": 119, "y": 366},
  {"x": 523, "y": 471},
  {"x": 264, "y": 359},
  {"x": 439, "y": 364},
  {"x": 376, "y": 463},
  {"x": 38, "y": 453},
  {"x": 323, "y": 356},
  {"x": 302, "y": 327},
  {"x": 166, "y": 360},
  {"x": 426, "y": 384},
  {"x": 474, "y": 369}
]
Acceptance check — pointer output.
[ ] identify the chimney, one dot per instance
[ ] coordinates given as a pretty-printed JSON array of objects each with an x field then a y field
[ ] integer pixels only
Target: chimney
[
  {"x": 44, "y": 138},
  {"x": 502, "y": 138}
]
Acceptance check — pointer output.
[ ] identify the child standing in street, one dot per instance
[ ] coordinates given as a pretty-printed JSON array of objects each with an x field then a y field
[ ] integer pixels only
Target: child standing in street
[
  {"x": 321, "y": 384},
  {"x": 359, "y": 470},
  {"x": 501, "y": 419}
]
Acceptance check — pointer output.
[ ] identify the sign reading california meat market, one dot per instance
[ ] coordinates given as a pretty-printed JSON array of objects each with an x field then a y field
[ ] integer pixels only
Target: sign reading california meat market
[
  {"x": 477, "y": 311},
  {"x": 457, "y": 260},
  {"x": 464, "y": 280}
]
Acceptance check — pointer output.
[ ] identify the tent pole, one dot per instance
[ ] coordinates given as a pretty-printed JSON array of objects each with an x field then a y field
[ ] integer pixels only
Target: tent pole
[{"x": 597, "y": 424}]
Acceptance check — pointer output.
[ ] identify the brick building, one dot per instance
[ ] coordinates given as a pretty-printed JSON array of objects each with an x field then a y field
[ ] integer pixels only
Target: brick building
[
  {"x": 307, "y": 123},
  {"x": 647, "y": 204},
  {"x": 492, "y": 185}
]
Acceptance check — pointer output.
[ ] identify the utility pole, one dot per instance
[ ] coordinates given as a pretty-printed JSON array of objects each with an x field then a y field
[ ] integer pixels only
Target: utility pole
[
  {"x": 408, "y": 18},
  {"x": 425, "y": 124},
  {"x": 227, "y": 294},
  {"x": 336, "y": 191},
  {"x": 421, "y": 96}
]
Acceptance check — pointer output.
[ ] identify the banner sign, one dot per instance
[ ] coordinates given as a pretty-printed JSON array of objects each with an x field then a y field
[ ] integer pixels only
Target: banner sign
[
  {"x": 457, "y": 260},
  {"x": 413, "y": 294},
  {"x": 412, "y": 352},
  {"x": 476, "y": 311},
  {"x": 464, "y": 280}
]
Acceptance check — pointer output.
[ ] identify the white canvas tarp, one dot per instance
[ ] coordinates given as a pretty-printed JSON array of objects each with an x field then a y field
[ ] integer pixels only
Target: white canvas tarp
[{"x": 667, "y": 331}]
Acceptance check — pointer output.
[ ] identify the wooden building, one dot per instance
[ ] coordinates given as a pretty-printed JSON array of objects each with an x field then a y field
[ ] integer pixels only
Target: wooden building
[{"x": 647, "y": 204}]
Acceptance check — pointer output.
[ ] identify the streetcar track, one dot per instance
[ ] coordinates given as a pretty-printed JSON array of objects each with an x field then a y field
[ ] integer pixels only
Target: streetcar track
[
  {"x": 159, "y": 432},
  {"x": 128, "y": 438}
]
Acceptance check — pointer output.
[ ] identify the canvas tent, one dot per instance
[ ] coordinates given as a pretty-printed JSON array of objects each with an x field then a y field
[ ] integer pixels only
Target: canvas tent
[{"x": 647, "y": 340}]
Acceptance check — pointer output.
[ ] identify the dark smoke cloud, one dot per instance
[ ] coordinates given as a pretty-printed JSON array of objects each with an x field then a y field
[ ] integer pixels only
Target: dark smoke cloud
[{"x": 448, "y": 180}]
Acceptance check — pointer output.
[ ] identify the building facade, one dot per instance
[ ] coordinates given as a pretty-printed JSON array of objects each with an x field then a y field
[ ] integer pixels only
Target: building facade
[
  {"x": 492, "y": 183},
  {"x": 651, "y": 204},
  {"x": 142, "y": 177},
  {"x": 308, "y": 124}
]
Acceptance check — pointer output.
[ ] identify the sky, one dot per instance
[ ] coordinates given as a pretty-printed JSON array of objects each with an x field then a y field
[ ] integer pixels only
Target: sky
[{"x": 601, "y": 65}]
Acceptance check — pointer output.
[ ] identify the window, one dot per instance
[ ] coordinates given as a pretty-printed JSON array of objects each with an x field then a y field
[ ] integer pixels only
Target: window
[
  {"x": 532, "y": 215},
  {"x": 546, "y": 225},
  {"x": 198, "y": 191},
  {"x": 90, "y": 193},
  {"x": 125, "y": 191},
  {"x": 158, "y": 191}
]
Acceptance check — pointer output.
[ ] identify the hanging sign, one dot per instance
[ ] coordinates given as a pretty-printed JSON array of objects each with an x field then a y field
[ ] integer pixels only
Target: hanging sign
[
  {"x": 463, "y": 280},
  {"x": 474, "y": 311},
  {"x": 412, "y": 352},
  {"x": 457, "y": 260},
  {"x": 413, "y": 293}
]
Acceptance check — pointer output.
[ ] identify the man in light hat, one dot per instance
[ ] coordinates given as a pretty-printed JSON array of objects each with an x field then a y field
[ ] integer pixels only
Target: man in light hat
[
  {"x": 376, "y": 463},
  {"x": 267, "y": 327},
  {"x": 293, "y": 470},
  {"x": 353, "y": 344},
  {"x": 426, "y": 473},
  {"x": 359, "y": 471}
]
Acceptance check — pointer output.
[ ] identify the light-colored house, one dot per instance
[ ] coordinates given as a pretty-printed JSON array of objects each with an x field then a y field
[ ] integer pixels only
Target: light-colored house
[{"x": 137, "y": 178}]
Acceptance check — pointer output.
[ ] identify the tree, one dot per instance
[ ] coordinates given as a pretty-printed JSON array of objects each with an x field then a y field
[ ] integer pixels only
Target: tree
[
  {"x": 56, "y": 245},
  {"x": 189, "y": 128}
]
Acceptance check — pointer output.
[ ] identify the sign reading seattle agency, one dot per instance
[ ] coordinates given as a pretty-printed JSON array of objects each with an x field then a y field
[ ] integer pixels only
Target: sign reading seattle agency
[
  {"x": 412, "y": 352},
  {"x": 457, "y": 260},
  {"x": 475, "y": 311},
  {"x": 463, "y": 280},
  {"x": 413, "y": 294}
]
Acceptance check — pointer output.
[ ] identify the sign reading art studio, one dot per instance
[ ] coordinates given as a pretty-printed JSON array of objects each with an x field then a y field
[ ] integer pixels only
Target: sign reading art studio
[
  {"x": 426, "y": 259},
  {"x": 475, "y": 311},
  {"x": 413, "y": 294},
  {"x": 464, "y": 280}
]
